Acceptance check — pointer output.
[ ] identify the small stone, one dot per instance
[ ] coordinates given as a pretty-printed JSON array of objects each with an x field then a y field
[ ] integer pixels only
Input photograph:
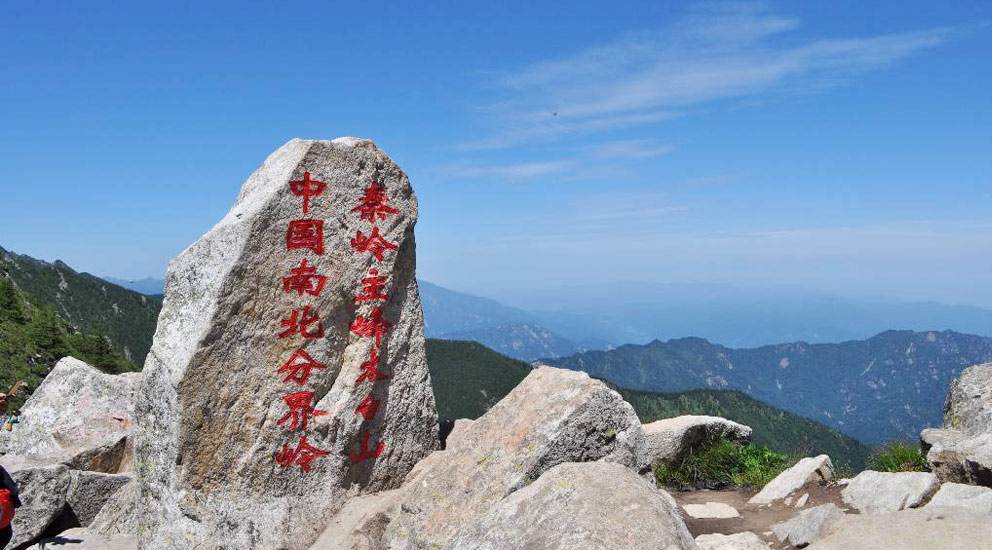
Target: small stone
[
  {"x": 874, "y": 492},
  {"x": 745, "y": 540},
  {"x": 711, "y": 510},
  {"x": 807, "y": 470},
  {"x": 807, "y": 526},
  {"x": 802, "y": 500}
]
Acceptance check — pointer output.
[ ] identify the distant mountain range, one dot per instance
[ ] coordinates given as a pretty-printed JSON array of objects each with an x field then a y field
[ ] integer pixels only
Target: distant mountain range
[
  {"x": 469, "y": 378},
  {"x": 888, "y": 386}
]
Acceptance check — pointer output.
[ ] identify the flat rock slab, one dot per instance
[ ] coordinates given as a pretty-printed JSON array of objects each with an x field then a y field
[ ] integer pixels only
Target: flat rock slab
[
  {"x": 872, "y": 492},
  {"x": 587, "y": 506},
  {"x": 669, "y": 440},
  {"x": 807, "y": 470},
  {"x": 959, "y": 457},
  {"x": 967, "y": 497},
  {"x": 913, "y": 529},
  {"x": 807, "y": 526},
  {"x": 737, "y": 541},
  {"x": 711, "y": 510}
]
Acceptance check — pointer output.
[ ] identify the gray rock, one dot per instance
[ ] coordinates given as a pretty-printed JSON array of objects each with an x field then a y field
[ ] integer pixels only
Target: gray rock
[
  {"x": 807, "y": 526},
  {"x": 962, "y": 450},
  {"x": 580, "y": 507},
  {"x": 711, "y": 510},
  {"x": 82, "y": 538},
  {"x": 671, "y": 439},
  {"x": 89, "y": 491},
  {"x": 913, "y": 529},
  {"x": 461, "y": 425},
  {"x": 78, "y": 416},
  {"x": 873, "y": 492},
  {"x": 968, "y": 407},
  {"x": 807, "y": 470},
  {"x": 121, "y": 514},
  {"x": 737, "y": 541},
  {"x": 42, "y": 489},
  {"x": 553, "y": 416},
  {"x": 968, "y": 497},
  {"x": 801, "y": 501},
  {"x": 211, "y": 399}
]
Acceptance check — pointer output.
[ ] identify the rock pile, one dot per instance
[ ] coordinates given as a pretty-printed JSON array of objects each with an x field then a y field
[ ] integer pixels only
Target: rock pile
[{"x": 961, "y": 451}]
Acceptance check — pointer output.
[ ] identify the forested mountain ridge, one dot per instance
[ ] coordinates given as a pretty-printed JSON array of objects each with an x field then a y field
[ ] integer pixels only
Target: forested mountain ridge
[
  {"x": 88, "y": 304},
  {"x": 886, "y": 387},
  {"x": 469, "y": 378}
]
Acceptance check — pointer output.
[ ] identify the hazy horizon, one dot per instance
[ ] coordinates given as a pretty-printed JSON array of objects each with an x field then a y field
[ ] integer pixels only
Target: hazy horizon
[{"x": 823, "y": 150}]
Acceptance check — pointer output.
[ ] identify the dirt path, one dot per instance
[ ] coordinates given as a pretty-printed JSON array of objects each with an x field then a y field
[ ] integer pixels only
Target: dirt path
[{"x": 757, "y": 519}]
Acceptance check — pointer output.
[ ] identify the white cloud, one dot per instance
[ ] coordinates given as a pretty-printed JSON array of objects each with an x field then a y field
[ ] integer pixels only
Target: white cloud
[
  {"x": 716, "y": 52},
  {"x": 509, "y": 172}
]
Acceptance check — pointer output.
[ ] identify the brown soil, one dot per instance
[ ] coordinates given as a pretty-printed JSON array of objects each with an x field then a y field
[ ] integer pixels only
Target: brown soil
[{"x": 757, "y": 519}]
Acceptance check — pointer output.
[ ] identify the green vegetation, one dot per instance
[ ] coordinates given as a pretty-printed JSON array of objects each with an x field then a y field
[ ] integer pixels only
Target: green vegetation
[
  {"x": 86, "y": 303},
  {"x": 898, "y": 456},
  {"x": 724, "y": 463},
  {"x": 33, "y": 338},
  {"x": 468, "y": 378},
  {"x": 774, "y": 428}
]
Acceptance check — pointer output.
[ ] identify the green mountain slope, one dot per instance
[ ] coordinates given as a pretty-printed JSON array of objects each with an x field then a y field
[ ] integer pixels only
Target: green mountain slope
[
  {"x": 86, "y": 303},
  {"x": 33, "y": 338},
  {"x": 468, "y": 378}
]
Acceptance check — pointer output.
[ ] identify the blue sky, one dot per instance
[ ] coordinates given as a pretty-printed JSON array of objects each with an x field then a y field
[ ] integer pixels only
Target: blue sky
[{"x": 831, "y": 147}]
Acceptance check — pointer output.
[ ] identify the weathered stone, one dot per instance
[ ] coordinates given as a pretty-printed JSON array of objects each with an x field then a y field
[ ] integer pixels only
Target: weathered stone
[
  {"x": 82, "y": 538},
  {"x": 968, "y": 407},
  {"x": 121, "y": 514},
  {"x": 737, "y": 541},
  {"x": 912, "y": 529},
  {"x": 670, "y": 440},
  {"x": 807, "y": 526},
  {"x": 873, "y": 492},
  {"x": 553, "y": 416},
  {"x": 807, "y": 470},
  {"x": 461, "y": 425},
  {"x": 711, "y": 510},
  {"x": 801, "y": 501},
  {"x": 968, "y": 497},
  {"x": 211, "y": 398},
  {"x": 42, "y": 489},
  {"x": 89, "y": 491},
  {"x": 962, "y": 451},
  {"x": 78, "y": 416},
  {"x": 958, "y": 457},
  {"x": 580, "y": 507}
]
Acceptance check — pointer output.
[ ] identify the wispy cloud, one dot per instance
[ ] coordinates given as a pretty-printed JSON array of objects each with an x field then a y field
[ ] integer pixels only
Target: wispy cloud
[
  {"x": 716, "y": 52},
  {"x": 508, "y": 172},
  {"x": 628, "y": 149}
]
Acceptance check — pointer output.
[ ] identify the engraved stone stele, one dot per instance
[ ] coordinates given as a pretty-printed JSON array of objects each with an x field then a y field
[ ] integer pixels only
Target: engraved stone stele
[{"x": 210, "y": 401}]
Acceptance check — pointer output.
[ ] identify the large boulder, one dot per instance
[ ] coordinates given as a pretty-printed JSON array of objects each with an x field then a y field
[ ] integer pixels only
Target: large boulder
[
  {"x": 671, "y": 439},
  {"x": 967, "y": 497},
  {"x": 78, "y": 416},
  {"x": 552, "y": 417},
  {"x": 580, "y": 507},
  {"x": 88, "y": 492},
  {"x": 290, "y": 344},
  {"x": 808, "y": 470},
  {"x": 807, "y": 526},
  {"x": 872, "y": 492},
  {"x": 961, "y": 451},
  {"x": 912, "y": 529},
  {"x": 42, "y": 488}
]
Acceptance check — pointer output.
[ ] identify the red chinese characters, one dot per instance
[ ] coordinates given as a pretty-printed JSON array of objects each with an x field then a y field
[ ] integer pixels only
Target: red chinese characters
[
  {"x": 305, "y": 234},
  {"x": 301, "y": 322},
  {"x": 302, "y": 234},
  {"x": 307, "y": 188},
  {"x": 302, "y": 455},
  {"x": 373, "y": 207}
]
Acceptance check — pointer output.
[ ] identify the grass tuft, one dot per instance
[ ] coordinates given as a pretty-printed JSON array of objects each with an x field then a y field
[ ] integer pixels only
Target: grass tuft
[
  {"x": 898, "y": 456},
  {"x": 724, "y": 463}
]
